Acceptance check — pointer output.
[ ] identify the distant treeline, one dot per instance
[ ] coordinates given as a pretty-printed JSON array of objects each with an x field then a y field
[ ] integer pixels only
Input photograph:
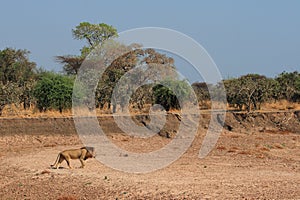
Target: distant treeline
[
  {"x": 23, "y": 83},
  {"x": 250, "y": 91}
]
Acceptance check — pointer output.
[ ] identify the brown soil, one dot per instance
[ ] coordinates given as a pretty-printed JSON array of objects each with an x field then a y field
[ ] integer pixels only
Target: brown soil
[{"x": 258, "y": 158}]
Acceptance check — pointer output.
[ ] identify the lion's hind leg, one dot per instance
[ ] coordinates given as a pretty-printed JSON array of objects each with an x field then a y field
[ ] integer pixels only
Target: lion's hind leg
[
  {"x": 57, "y": 162},
  {"x": 67, "y": 158},
  {"x": 61, "y": 159}
]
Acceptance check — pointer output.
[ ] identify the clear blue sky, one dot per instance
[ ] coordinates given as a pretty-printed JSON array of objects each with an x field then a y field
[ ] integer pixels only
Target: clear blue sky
[{"x": 241, "y": 36}]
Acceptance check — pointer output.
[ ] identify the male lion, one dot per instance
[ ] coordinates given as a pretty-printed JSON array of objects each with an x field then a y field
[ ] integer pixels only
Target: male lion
[{"x": 82, "y": 154}]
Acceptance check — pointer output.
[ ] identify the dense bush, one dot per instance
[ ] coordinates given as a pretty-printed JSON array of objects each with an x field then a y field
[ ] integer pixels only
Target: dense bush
[
  {"x": 171, "y": 93},
  {"x": 53, "y": 91},
  {"x": 289, "y": 86},
  {"x": 250, "y": 91}
]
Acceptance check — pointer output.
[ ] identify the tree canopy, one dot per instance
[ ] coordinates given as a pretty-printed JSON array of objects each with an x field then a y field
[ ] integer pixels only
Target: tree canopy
[
  {"x": 94, "y": 34},
  {"x": 17, "y": 77}
]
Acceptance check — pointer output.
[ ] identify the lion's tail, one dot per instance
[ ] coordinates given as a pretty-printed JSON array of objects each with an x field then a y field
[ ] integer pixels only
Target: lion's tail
[{"x": 56, "y": 161}]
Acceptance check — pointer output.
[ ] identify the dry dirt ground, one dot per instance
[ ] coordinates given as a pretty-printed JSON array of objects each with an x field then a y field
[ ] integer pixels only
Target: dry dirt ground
[{"x": 259, "y": 165}]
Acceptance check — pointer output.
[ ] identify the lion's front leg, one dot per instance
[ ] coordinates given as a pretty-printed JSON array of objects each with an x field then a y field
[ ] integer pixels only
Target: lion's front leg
[
  {"x": 83, "y": 154},
  {"x": 82, "y": 163}
]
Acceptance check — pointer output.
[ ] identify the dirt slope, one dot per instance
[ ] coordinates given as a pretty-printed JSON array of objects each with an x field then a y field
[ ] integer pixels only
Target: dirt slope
[{"x": 262, "y": 164}]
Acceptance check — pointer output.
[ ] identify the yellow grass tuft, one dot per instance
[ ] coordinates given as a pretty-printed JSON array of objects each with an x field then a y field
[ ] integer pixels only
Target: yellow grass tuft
[
  {"x": 281, "y": 105},
  {"x": 20, "y": 112}
]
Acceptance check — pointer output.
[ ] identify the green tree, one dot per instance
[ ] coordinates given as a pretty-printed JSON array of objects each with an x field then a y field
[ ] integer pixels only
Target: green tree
[
  {"x": 8, "y": 95},
  {"x": 94, "y": 34},
  {"x": 54, "y": 91},
  {"x": 289, "y": 83},
  {"x": 169, "y": 92},
  {"x": 144, "y": 63},
  {"x": 249, "y": 91},
  {"x": 71, "y": 64},
  {"x": 297, "y": 85},
  {"x": 97, "y": 34},
  {"x": 202, "y": 92},
  {"x": 17, "y": 77},
  {"x": 234, "y": 98},
  {"x": 142, "y": 96}
]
